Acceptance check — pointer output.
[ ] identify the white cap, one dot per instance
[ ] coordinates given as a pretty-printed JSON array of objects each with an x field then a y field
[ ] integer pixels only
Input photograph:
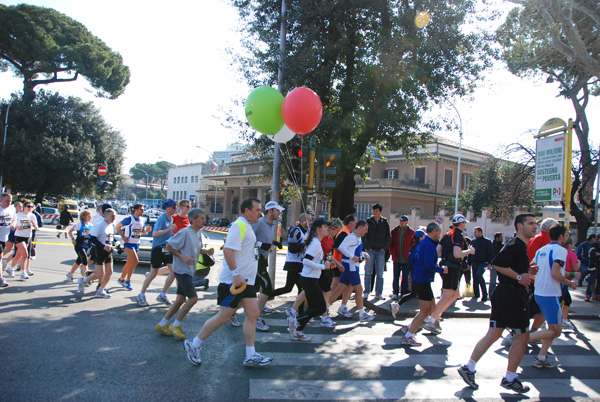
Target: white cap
[
  {"x": 459, "y": 219},
  {"x": 273, "y": 204}
]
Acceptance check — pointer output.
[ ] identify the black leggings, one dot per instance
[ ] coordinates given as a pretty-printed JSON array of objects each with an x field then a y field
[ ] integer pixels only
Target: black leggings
[
  {"x": 315, "y": 300},
  {"x": 293, "y": 278}
]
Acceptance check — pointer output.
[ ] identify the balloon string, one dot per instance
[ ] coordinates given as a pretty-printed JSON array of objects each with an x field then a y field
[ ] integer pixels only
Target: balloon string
[{"x": 288, "y": 162}]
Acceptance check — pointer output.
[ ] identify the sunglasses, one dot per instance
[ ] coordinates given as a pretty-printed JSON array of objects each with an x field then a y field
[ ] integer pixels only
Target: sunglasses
[{"x": 28, "y": 206}]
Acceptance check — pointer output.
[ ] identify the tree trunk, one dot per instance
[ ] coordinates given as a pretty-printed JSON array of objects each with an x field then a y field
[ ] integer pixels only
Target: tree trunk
[{"x": 342, "y": 200}]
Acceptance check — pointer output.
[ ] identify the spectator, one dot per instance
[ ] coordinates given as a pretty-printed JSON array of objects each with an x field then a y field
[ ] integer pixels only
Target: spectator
[
  {"x": 583, "y": 254},
  {"x": 376, "y": 242},
  {"x": 402, "y": 240}
]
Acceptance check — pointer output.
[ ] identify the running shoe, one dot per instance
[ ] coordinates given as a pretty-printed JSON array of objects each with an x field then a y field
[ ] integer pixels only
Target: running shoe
[
  {"x": 206, "y": 284},
  {"x": 292, "y": 325},
  {"x": 268, "y": 309},
  {"x": 404, "y": 329},
  {"x": 261, "y": 325},
  {"x": 514, "y": 385},
  {"x": 193, "y": 354},
  {"x": 101, "y": 294},
  {"x": 431, "y": 328},
  {"x": 29, "y": 272},
  {"x": 69, "y": 277},
  {"x": 234, "y": 321},
  {"x": 410, "y": 341},
  {"x": 163, "y": 299},
  {"x": 163, "y": 330},
  {"x": 128, "y": 285},
  {"x": 367, "y": 317},
  {"x": 3, "y": 283},
  {"x": 290, "y": 313},
  {"x": 508, "y": 340},
  {"x": 344, "y": 312},
  {"x": 257, "y": 360},
  {"x": 24, "y": 275},
  {"x": 437, "y": 325},
  {"x": 468, "y": 376},
  {"x": 394, "y": 296},
  {"x": 587, "y": 298},
  {"x": 10, "y": 271},
  {"x": 121, "y": 282},
  {"x": 176, "y": 332},
  {"x": 327, "y": 322},
  {"x": 567, "y": 325},
  {"x": 299, "y": 336},
  {"x": 394, "y": 308},
  {"x": 537, "y": 363},
  {"x": 81, "y": 285},
  {"x": 141, "y": 300},
  {"x": 98, "y": 288}
]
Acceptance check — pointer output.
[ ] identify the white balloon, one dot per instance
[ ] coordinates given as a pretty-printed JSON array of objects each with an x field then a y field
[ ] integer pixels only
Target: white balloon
[{"x": 283, "y": 136}]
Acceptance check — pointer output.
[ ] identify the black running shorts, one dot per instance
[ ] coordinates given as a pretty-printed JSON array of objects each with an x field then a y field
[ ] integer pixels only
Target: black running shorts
[
  {"x": 226, "y": 299},
  {"x": 423, "y": 291},
  {"x": 185, "y": 285},
  {"x": 510, "y": 308},
  {"x": 160, "y": 257}
]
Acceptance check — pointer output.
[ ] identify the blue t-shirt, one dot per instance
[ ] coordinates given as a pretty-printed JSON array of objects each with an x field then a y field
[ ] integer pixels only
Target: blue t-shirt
[{"x": 162, "y": 223}]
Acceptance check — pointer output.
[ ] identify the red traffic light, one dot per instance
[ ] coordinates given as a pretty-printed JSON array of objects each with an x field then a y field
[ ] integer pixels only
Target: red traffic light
[{"x": 296, "y": 152}]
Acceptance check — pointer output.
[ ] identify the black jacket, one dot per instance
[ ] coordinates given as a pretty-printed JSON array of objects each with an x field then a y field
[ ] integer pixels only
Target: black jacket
[
  {"x": 484, "y": 252},
  {"x": 378, "y": 237}
]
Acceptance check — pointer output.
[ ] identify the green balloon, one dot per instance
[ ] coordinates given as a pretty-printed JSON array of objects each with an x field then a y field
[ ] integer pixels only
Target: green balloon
[{"x": 263, "y": 110}]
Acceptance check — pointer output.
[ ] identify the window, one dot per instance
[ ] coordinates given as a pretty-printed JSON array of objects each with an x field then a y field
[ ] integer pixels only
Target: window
[
  {"x": 196, "y": 179},
  {"x": 184, "y": 195},
  {"x": 391, "y": 174},
  {"x": 466, "y": 181},
  {"x": 420, "y": 174},
  {"x": 185, "y": 180},
  {"x": 363, "y": 211},
  {"x": 448, "y": 173}
]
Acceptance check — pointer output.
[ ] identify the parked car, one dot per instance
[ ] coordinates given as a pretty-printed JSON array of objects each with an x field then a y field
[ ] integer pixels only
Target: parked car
[
  {"x": 145, "y": 245},
  {"x": 221, "y": 222},
  {"x": 50, "y": 216},
  {"x": 153, "y": 213}
]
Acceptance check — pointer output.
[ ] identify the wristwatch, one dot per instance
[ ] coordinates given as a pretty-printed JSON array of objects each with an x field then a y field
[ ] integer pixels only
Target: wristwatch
[{"x": 518, "y": 278}]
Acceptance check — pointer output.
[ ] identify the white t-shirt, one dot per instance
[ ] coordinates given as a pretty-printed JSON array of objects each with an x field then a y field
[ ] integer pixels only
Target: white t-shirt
[
  {"x": 545, "y": 284},
  {"x": 241, "y": 239},
  {"x": 96, "y": 218},
  {"x": 312, "y": 263},
  {"x": 7, "y": 216},
  {"x": 104, "y": 232},
  {"x": 26, "y": 221}
]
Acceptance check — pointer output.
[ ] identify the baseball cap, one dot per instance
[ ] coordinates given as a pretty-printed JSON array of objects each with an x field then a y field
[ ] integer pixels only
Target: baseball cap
[
  {"x": 319, "y": 222},
  {"x": 169, "y": 203},
  {"x": 273, "y": 204},
  {"x": 105, "y": 207},
  {"x": 419, "y": 233},
  {"x": 404, "y": 218},
  {"x": 459, "y": 219}
]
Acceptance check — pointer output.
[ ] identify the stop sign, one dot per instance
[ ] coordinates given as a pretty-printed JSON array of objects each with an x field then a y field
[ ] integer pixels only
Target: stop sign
[{"x": 102, "y": 170}]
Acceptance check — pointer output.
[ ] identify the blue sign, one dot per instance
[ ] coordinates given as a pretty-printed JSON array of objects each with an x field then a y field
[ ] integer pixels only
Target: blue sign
[{"x": 439, "y": 220}]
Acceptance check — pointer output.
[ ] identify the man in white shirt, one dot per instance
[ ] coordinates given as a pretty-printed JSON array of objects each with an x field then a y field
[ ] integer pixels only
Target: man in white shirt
[
  {"x": 7, "y": 222},
  {"x": 236, "y": 287},
  {"x": 550, "y": 276}
]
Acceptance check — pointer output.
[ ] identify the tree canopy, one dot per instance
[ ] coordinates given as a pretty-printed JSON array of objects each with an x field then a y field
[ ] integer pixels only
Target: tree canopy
[
  {"x": 157, "y": 172},
  {"x": 375, "y": 69},
  {"x": 55, "y": 145},
  {"x": 44, "y": 46},
  {"x": 529, "y": 50}
]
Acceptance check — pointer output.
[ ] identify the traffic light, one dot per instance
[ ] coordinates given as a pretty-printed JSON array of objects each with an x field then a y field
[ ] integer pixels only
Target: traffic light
[
  {"x": 296, "y": 165},
  {"x": 102, "y": 186},
  {"x": 331, "y": 160}
]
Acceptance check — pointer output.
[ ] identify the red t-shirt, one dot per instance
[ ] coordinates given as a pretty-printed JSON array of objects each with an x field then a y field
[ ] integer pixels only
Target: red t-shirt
[
  {"x": 537, "y": 243},
  {"x": 326, "y": 244},
  {"x": 571, "y": 261},
  {"x": 180, "y": 222}
]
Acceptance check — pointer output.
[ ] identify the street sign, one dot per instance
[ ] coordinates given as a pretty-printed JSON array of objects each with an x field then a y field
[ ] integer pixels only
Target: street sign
[
  {"x": 549, "y": 168},
  {"x": 439, "y": 220},
  {"x": 102, "y": 170}
]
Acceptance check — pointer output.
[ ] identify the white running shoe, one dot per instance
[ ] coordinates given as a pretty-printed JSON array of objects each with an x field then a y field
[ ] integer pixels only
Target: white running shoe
[
  {"x": 24, "y": 275},
  {"x": 290, "y": 313},
  {"x": 394, "y": 308},
  {"x": 101, "y": 294},
  {"x": 261, "y": 325},
  {"x": 81, "y": 285},
  {"x": 299, "y": 336},
  {"x": 141, "y": 300},
  {"x": 29, "y": 272},
  {"x": 344, "y": 312},
  {"x": 234, "y": 321},
  {"x": 431, "y": 328},
  {"x": 292, "y": 325},
  {"x": 69, "y": 277},
  {"x": 193, "y": 354},
  {"x": 567, "y": 325},
  {"x": 257, "y": 360},
  {"x": 367, "y": 317},
  {"x": 10, "y": 271},
  {"x": 163, "y": 299},
  {"x": 327, "y": 322}
]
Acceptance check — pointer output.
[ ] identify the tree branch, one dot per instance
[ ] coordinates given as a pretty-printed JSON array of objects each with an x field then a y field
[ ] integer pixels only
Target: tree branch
[{"x": 55, "y": 79}]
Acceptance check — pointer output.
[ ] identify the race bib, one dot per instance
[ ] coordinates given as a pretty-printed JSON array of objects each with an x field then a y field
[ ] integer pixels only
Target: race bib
[
  {"x": 136, "y": 233},
  {"x": 5, "y": 220},
  {"x": 26, "y": 224},
  {"x": 109, "y": 239}
]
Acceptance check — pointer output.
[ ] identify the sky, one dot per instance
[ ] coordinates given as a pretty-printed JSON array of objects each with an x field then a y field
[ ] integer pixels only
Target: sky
[{"x": 181, "y": 79}]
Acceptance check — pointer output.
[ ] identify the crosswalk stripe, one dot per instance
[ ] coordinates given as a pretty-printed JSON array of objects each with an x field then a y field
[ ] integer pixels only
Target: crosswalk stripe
[{"x": 411, "y": 389}]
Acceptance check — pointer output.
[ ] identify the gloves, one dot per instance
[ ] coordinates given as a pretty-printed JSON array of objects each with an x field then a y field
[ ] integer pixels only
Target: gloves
[
  {"x": 265, "y": 246},
  {"x": 278, "y": 244}
]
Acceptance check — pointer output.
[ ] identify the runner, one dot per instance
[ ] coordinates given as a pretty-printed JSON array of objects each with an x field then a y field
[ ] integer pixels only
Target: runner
[
  {"x": 102, "y": 236},
  {"x": 7, "y": 222},
  {"x": 26, "y": 222},
  {"x": 160, "y": 256},
  {"x": 425, "y": 266},
  {"x": 313, "y": 266},
  {"x": 131, "y": 229},
  {"x": 349, "y": 226},
  {"x": 186, "y": 247},
  {"x": 10, "y": 242},
  {"x": 352, "y": 256},
  {"x": 239, "y": 271},
  {"x": 509, "y": 305},
  {"x": 81, "y": 242}
]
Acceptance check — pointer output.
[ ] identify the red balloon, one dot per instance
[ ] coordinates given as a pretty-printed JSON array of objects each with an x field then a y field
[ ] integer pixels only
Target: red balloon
[{"x": 302, "y": 110}]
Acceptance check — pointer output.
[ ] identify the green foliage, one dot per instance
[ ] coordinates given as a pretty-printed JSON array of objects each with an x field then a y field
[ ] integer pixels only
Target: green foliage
[
  {"x": 500, "y": 185},
  {"x": 158, "y": 172},
  {"x": 374, "y": 70},
  {"x": 44, "y": 46},
  {"x": 55, "y": 145}
]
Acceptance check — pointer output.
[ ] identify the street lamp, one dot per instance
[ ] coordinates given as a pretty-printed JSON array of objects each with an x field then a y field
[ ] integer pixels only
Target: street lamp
[
  {"x": 212, "y": 155},
  {"x": 4, "y": 145},
  {"x": 459, "y": 154},
  {"x": 142, "y": 170}
]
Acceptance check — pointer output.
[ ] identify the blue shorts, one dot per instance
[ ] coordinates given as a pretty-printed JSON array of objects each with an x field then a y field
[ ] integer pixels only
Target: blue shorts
[
  {"x": 350, "y": 278},
  {"x": 133, "y": 246},
  {"x": 550, "y": 306}
]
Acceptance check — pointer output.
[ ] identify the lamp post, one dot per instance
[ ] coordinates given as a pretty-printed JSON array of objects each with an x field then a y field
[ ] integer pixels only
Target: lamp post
[
  {"x": 459, "y": 155},
  {"x": 212, "y": 155},
  {"x": 4, "y": 145},
  {"x": 142, "y": 170}
]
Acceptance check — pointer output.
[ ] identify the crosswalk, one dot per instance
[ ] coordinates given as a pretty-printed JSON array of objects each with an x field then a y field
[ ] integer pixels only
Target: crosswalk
[{"x": 358, "y": 361}]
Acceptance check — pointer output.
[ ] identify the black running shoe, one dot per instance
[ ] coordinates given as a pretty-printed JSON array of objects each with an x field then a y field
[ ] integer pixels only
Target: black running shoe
[
  {"x": 515, "y": 385},
  {"x": 468, "y": 376}
]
